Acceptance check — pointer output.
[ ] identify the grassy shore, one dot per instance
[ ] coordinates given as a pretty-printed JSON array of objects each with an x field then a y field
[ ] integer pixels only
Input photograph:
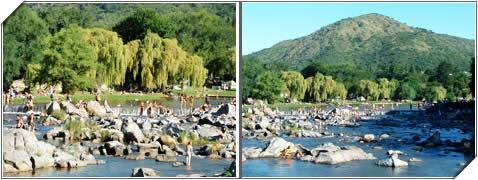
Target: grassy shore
[{"x": 117, "y": 97}]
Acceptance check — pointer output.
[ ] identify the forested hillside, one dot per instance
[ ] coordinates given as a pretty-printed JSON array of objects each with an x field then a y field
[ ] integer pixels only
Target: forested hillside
[{"x": 373, "y": 41}]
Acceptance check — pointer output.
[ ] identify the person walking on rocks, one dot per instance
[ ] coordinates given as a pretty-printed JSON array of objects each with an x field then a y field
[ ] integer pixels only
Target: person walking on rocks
[{"x": 189, "y": 152}]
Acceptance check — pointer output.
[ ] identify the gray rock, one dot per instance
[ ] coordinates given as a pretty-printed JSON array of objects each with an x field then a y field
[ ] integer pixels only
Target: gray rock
[
  {"x": 51, "y": 121},
  {"x": 392, "y": 162},
  {"x": 137, "y": 156},
  {"x": 208, "y": 131},
  {"x": 348, "y": 153},
  {"x": 114, "y": 148},
  {"x": 145, "y": 172},
  {"x": 177, "y": 164},
  {"x": 96, "y": 109},
  {"x": 132, "y": 132},
  {"x": 19, "y": 159},
  {"x": 52, "y": 106},
  {"x": 42, "y": 161},
  {"x": 165, "y": 158},
  {"x": 368, "y": 138},
  {"x": 276, "y": 145}
]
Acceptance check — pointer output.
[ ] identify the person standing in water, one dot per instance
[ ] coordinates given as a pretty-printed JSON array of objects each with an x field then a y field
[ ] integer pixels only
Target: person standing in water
[
  {"x": 191, "y": 99},
  {"x": 189, "y": 152},
  {"x": 31, "y": 123},
  {"x": 141, "y": 108}
]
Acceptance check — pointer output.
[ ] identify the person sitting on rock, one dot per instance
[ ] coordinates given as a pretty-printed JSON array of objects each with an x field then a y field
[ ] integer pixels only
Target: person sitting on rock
[
  {"x": 286, "y": 152},
  {"x": 224, "y": 133},
  {"x": 97, "y": 97},
  {"x": 298, "y": 154},
  {"x": 19, "y": 122}
]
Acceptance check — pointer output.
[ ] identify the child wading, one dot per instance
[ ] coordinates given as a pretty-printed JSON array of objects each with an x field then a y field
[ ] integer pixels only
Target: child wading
[{"x": 189, "y": 152}]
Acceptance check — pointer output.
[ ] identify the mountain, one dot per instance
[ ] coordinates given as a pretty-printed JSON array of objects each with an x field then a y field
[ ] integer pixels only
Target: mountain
[{"x": 374, "y": 41}]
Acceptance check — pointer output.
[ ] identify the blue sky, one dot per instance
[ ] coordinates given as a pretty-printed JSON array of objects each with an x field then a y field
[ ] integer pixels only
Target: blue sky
[{"x": 265, "y": 24}]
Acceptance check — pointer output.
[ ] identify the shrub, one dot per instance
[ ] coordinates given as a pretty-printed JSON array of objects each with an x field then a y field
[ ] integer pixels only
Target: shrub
[
  {"x": 75, "y": 127},
  {"x": 106, "y": 135},
  {"x": 59, "y": 114}
]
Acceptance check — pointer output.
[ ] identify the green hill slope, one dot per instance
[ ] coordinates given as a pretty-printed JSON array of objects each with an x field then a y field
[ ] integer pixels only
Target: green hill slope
[{"x": 374, "y": 41}]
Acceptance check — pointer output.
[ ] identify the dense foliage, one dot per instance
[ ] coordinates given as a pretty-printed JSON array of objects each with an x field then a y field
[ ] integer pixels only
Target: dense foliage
[
  {"x": 23, "y": 33},
  {"x": 139, "y": 46}
]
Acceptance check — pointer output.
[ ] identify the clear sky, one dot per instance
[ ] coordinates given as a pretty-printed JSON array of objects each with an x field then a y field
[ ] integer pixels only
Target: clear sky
[{"x": 265, "y": 24}]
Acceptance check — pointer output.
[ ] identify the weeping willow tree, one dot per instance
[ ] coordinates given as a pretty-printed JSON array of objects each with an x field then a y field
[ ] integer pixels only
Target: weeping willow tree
[
  {"x": 111, "y": 56},
  {"x": 317, "y": 88},
  {"x": 157, "y": 63},
  {"x": 193, "y": 71},
  {"x": 168, "y": 65},
  {"x": 295, "y": 83},
  {"x": 340, "y": 91}
]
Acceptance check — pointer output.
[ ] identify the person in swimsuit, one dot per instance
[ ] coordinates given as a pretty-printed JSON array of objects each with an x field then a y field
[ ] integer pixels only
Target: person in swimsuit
[
  {"x": 286, "y": 152},
  {"x": 189, "y": 152},
  {"x": 191, "y": 99},
  {"x": 19, "y": 122},
  {"x": 31, "y": 123}
]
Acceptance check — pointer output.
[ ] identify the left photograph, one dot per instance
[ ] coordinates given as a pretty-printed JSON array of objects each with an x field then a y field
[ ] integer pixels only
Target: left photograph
[{"x": 120, "y": 90}]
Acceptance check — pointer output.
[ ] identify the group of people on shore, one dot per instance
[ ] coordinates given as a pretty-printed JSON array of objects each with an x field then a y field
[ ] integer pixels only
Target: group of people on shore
[
  {"x": 153, "y": 109},
  {"x": 288, "y": 154}
]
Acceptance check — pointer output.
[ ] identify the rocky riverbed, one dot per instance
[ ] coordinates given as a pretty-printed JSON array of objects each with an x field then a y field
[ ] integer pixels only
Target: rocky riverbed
[
  {"x": 95, "y": 136},
  {"x": 332, "y": 146}
]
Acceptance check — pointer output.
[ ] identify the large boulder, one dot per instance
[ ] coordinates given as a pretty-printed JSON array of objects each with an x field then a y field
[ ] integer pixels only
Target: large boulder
[
  {"x": 348, "y": 153},
  {"x": 96, "y": 109},
  {"x": 52, "y": 106},
  {"x": 392, "y": 162},
  {"x": 251, "y": 152},
  {"x": 67, "y": 107},
  {"x": 276, "y": 145},
  {"x": 42, "y": 161},
  {"x": 327, "y": 147},
  {"x": 137, "y": 156},
  {"x": 114, "y": 148},
  {"x": 208, "y": 131},
  {"x": 168, "y": 141},
  {"x": 132, "y": 132},
  {"x": 227, "y": 109},
  {"x": 145, "y": 172},
  {"x": 51, "y": 121},
  {"x": 262, "y": 123},
  {"x": 368, "y": 138},
  {"x": 19, "y": 159}
]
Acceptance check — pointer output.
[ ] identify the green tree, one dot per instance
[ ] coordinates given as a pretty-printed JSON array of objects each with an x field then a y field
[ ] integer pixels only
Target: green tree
[
  {"x": 340, "y": 91},
  {"x": 23, "y": 33},
  {"x": 384, "y": 87},
  {"x": 294, "y": 82},
  {"x": 111, "y": 56},
  {"x": 68, "y": 60},
  {"x": 138, "y": 24},
  {"x": 472, "y": 82},
  {"x": 59, "y": 18},
  {"x": 269, "y": 86},
  {"x": 250, "y": 70},
  {"x": 405, "y": 92},
  {"x": 435, "y": 93},
  {"x": 369, "y": 89}
]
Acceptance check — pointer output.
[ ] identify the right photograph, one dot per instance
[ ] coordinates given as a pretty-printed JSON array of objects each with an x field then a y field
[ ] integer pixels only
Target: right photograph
[{"x": 357, "y": 89}]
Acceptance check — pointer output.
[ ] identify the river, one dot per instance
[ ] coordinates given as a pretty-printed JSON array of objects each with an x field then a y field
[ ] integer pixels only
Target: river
[{"x": 442, "y": 161}]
